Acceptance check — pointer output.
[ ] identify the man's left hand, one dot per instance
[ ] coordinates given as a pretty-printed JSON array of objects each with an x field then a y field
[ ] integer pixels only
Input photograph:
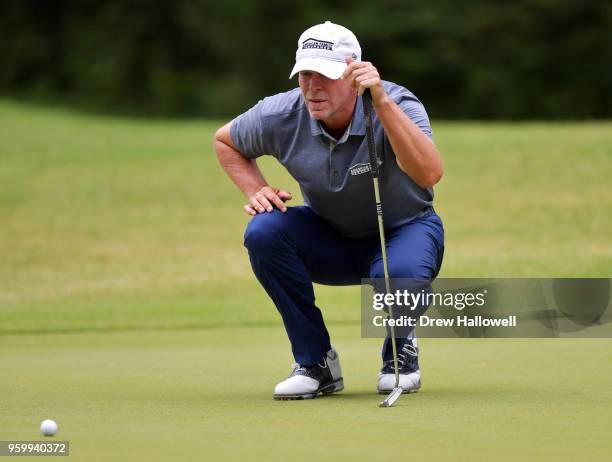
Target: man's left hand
[{"x": 361, "y": 75}]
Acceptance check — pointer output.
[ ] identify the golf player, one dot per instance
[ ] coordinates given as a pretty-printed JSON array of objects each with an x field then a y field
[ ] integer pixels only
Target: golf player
[{"x": 317, "y": 132}]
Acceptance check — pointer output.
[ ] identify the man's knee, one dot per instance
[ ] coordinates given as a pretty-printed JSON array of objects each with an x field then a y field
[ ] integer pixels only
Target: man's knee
[
  {"x": 406, "y": 269},
  {"x": 406, "y": 276},
  {"x": 263, "y": 231}
]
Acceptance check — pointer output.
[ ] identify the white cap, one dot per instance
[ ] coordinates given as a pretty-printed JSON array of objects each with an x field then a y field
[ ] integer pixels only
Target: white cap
[{"x": 324, "y": 48}]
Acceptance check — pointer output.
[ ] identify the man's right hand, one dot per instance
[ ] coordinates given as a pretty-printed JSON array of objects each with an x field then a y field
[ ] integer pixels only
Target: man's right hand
[{"x": 265, "y": 199}]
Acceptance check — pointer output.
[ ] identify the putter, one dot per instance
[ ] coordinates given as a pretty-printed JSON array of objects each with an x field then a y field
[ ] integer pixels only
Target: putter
[{"x": 367, "y": 110}]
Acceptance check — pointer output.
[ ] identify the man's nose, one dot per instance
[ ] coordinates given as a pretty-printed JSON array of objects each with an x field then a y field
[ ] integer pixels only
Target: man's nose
[{"x": 316, "y": 81}]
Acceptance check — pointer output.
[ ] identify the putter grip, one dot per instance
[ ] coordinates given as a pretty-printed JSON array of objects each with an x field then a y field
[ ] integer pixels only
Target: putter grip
[{"x": 367, "y": 111}]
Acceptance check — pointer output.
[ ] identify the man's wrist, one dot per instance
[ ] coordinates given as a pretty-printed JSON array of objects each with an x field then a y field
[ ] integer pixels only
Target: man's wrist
[
  {"x": 252, "y": 191},
  {"x": 382, "y": 101}
]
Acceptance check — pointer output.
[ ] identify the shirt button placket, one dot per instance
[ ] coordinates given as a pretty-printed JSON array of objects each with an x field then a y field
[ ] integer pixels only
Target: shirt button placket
[
  {"x": 335, "y": 176},
  {"x": 333, "y": 170}
]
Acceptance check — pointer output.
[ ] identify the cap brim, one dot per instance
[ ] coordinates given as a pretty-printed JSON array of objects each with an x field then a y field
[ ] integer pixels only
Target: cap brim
[{"x": 330, "y": 69}]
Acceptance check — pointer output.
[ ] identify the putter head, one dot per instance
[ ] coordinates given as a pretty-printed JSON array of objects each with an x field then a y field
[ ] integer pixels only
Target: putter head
[{"x": 392, "y": 398}]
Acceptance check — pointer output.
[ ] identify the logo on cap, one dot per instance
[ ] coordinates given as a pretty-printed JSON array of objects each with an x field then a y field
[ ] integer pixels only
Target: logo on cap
[{"x": 317, "y": 44}]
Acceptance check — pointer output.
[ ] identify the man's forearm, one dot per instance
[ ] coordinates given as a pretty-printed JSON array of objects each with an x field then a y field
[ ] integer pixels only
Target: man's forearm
[
  {"x": 416, "y": 154},
  {"x": 244, "y": 172}
]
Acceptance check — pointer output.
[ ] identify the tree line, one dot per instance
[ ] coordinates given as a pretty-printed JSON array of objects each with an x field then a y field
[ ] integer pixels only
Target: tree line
[{"x": 536, "y": 59}]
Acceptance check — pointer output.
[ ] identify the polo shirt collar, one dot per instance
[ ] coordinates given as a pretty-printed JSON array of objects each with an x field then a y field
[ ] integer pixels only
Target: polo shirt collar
[
  {"x": 357, "y": 124},
  {"x": 315, "y": 126}
]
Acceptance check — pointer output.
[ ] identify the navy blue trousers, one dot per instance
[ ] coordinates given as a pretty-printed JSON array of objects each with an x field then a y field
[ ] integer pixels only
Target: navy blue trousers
[{"x": 289, "y": 251}]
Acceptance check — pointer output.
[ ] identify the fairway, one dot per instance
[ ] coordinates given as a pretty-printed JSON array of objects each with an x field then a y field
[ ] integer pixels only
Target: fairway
[{"x": 129, "y": 313}]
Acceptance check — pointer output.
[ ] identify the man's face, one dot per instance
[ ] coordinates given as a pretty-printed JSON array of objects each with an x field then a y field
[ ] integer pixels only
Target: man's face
[{"x": 327, "y": 100}]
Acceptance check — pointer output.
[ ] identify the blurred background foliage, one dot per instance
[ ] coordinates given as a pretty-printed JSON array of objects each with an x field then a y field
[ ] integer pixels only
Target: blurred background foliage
[{"x": 526, "y": 59}]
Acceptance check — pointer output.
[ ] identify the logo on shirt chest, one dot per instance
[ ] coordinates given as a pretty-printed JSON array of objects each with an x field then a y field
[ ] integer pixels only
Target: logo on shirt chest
[{"x": 359, "y": 169}]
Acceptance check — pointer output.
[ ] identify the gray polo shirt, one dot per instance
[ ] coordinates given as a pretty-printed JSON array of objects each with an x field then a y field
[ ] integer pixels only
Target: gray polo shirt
[{"x": 334, "y": 175}]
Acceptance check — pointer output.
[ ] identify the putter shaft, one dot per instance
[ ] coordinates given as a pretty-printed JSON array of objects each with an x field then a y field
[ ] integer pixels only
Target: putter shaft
[{"x": 367, "y": 110}]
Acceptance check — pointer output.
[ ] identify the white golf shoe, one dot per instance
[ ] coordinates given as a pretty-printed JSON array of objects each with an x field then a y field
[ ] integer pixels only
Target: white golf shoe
[
  {"x": 306, "y": 382},
  {"x": 409, "y": 372}
]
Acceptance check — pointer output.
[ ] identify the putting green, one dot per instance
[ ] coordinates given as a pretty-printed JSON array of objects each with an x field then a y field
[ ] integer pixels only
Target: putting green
[{"x": 206, "y": 395}]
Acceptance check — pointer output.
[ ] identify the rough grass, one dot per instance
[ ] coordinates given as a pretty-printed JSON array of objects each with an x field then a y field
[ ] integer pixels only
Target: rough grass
[{"x": 114, "y": 223}]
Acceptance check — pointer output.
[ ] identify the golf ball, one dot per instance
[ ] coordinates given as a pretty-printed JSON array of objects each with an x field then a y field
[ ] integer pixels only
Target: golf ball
[{"x": 48, "y": 427}]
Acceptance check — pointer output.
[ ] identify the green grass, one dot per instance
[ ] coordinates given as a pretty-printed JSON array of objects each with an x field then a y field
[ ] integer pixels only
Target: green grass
[
  {"x": 129, "y": 313},
  {"x": 172, "y": 396}
]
